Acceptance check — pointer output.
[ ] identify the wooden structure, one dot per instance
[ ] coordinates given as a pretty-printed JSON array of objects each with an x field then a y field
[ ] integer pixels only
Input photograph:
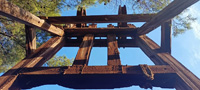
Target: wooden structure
[{"x": 167, "y": 72}]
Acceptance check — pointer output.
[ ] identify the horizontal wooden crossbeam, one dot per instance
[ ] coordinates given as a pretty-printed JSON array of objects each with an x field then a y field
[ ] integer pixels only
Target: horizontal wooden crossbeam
[
  {"x": 100, "y": 18},
  {"x": 101, "y": 43},
  {"x": 169, "y": 12},
  {"x": 81, "y": 69},
  {"x": 100, "y": 32},
  {"x": 96, "y": 77},
  {"x": 14, "y": 12}
]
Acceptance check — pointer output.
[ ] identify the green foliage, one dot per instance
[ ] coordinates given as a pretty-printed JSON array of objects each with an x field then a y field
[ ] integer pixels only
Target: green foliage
[
  {"x": 71, "y": 4},
  {"x": 12, "y": 33},
  {"x": 59, "y": 61}
]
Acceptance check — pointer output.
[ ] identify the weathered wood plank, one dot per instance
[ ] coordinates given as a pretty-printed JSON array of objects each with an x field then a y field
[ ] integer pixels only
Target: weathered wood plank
[
  {"x": 30, "y": 40},
  {"x": 186, "y": 78},
  {"x": 166, "y": 37},
  {"x": 92, "y": 77},
  {"x": 85, "y": 48},
  {"x": 101, "y": 43},
  {"x": 101, "y": 18},
  {"x": 100, "y": 32},
  {"x": 113, "y": 52},
  {"x": 37, "y": 58},
  {"x": 81, "y": 12},
  {"x": 173, "y": 9},
  {"x": 14, "y": 12},
  {"x": 122, "y": 11},
  {"x": 158, "y": 69}
]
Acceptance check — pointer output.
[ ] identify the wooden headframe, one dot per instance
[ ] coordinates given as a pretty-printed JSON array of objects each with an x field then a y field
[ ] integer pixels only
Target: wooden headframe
[{"x": 167, "y": 70}]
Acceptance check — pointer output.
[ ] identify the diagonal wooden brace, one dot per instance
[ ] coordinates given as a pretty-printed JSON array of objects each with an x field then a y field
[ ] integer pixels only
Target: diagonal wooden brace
[
  {"x": 12, "y": 11},
  {"x": 36, "y": 59}
]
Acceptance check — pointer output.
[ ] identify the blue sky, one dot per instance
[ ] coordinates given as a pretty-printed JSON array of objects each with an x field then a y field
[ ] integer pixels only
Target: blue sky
[{"x": 185, "y": 47}]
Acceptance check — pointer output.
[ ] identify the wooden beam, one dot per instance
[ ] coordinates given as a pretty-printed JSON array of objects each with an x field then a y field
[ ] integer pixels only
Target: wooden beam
[
  {"x": 38, "y": 58},
  {"x": 101, "y": 18},
  {"x": 101, "y": 43},
  {"x": 158, "y": 69},
  {"x": 113, "y": 52},
  {"x": 122, "y": 11},
  {"x": 100, "y": 32},
  {"x": 169, "y": 12},
  {"x": 14, "y": 12},
  {"x": 186, "y": 81},
  {"x": 30, "y": 40},
  {"x": 83, "y": 54},
  {"x": 81, "y": 12},
  {"x": 92, "y": 77},
  {"x": 166, "y": 37}
]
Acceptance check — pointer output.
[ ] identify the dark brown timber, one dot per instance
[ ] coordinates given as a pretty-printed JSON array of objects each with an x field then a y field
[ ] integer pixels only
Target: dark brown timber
[
  {"x": 166, "y": 37},
  {"x": 101, "y": 18},
  {"x": 113, "y": 52},
  {"x": 84, "y": 77},
  {"x": 122, "y": 11},
  {"x": 158, "y": 69},
  {"x": 85, "y": 48},
  {"x": 186, "y": 79},
  {"x": 100, "y": 32},
  {"x": 37, "y": 58},
  {"x": 14, "y": 12},
  {"x": 101, "y": 43},
  {"x": 173, "y": 9},
  {"x": 81, "y": 12},
  {"x": 30, "y": 40}
]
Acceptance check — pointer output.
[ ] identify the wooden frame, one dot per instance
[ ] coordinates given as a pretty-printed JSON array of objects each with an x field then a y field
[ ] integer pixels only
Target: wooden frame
[
  {"x": 169, "y": 12},
  {"x": 178, "y": 76},
  {"x": 36, "y": 59},
  {"x": 151, "y": 49},
  {"x": 14, "y": 12},
  {"x": 85, "y": 76},
  {"x": 30, "y": 40}
]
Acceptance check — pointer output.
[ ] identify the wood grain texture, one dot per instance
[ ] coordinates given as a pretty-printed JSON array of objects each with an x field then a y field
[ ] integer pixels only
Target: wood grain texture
[
  {"x": 101, "y": 43},
  {"x": 92, "y": 77},
  {"x": 100, "y": 32},
  {"x": 113, "y": 52},
  {"x": 166, "y": 37},
  {"x": 85, "y": 48},
  {"x": 30, "y": 40},
  {"x": 101, "y": 18},
  {"x": 186, "y": 79},
  {"x": 38, "y": 58},
  {"x": 12, "y": 11},
  {"x": 169, "y": 12}
]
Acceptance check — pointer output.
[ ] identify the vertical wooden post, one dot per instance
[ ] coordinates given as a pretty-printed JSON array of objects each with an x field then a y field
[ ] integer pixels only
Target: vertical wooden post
[
  {"x": 82, "y": 57},
  {"x": 81, "y": 12},
  {"x": 166, "y": 37},
  {"x": 122, "y": 11},
  {"x": 113, "y": 52},
  {"x": 30, "y": 40}
]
